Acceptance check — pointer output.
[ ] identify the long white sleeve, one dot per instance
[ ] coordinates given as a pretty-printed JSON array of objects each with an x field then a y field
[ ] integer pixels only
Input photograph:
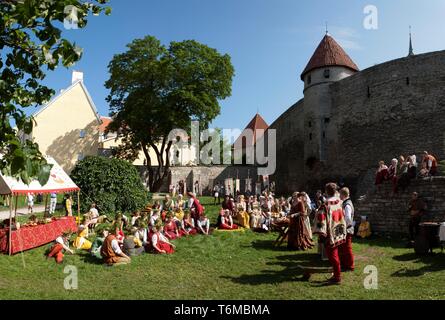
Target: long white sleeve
[
  {"x": 348, "y": 215},
  {"x": 115, "y": 246}
]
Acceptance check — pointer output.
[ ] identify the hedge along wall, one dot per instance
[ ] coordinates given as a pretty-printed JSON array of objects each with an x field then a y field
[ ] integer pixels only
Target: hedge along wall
[{"x": 389, "y": 215}]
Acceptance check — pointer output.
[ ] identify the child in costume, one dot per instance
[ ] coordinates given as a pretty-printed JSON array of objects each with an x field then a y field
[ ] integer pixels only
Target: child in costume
[
  {"x": 364, "y": 230},
  {"x": 61, "y": 244},
  {"x": 81, "y": 241},
  {"x": 159, "y": 242}
]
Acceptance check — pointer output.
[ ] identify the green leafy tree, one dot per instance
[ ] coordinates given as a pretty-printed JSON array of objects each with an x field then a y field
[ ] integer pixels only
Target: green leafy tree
[
  {"x": 154, "y": 89},
  {"x": 30, "y": 44},
  {"x": 113, "y": 184}
]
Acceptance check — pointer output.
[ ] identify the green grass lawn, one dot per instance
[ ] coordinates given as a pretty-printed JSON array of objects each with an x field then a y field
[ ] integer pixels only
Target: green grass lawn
[{"x": 241, "y": 265}]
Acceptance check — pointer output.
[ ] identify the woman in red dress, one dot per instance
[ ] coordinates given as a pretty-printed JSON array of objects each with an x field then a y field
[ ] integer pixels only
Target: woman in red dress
[
  {"x": 298, "y": 235},
  {"x": 160, "y": 243},
  {"x": 381, "y": 174},
  {"x": 171, "y": 229},
  {"x": 226, "y": 222},
  {"x": 188, "y": 224}
]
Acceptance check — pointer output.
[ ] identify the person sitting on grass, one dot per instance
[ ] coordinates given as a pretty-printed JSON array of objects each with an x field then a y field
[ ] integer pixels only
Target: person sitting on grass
[
  {"x": 118, "y": 225},
  {"x": 135, "y": 217},
  {"x": 242, "y": 215},
  {"x": 94, "y": 217},
  {"x": 132, "y": 246},
  {"x": 226, "y": 221},
  {"x": 203, "y": 225},
  {"x": 159, "y": 242},
  {"x": 141, "y": 232},
  {"x": 102, "y": 233},
  {"x": 188, "y": 224},
  {"x": 110, "y": 251},
  {"x": 61, "y": 244},
  {"x": 227, "y": 204},
  {"x": 81, "y": 242},
  {"x": 171, "y": 230}
]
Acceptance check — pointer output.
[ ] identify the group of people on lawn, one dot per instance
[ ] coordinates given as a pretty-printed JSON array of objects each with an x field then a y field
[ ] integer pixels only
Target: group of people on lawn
[{"x": 148, "y": 231}]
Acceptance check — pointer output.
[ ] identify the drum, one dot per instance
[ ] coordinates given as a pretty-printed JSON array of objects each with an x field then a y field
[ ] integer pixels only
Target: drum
[{"x": 428, "y": 238}]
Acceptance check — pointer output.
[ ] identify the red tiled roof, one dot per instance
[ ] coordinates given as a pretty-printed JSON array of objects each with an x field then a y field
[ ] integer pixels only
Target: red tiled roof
[
  {"x": 329, "y": 53},
  {"x": 256, "y": 123},
  {"x": 105, "y": 122}
]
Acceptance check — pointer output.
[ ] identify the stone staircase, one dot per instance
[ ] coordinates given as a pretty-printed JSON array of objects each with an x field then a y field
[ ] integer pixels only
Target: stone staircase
[{"x": 389, "y": 214}]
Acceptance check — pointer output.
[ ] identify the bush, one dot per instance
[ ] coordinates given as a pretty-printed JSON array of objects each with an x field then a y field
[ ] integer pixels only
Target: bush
[{"x": 113, "y": 184}]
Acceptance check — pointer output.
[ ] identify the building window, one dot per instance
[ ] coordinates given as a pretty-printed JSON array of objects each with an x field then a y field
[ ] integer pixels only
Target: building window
[
  {"x": 310, "y": 136},
  {"x": 324, "y": 134},
  {"x": 310, "y": 124},
  {"x": 327, "y": 73},
  {"x": 407, "y": 81},
  {"x": 327, "y": 120},
  {"x": 80, "y": 156},
  {"x": 82, "y": 134},
  {"x": 309, "y": 79},
  {"x": 369, "y": 92}
]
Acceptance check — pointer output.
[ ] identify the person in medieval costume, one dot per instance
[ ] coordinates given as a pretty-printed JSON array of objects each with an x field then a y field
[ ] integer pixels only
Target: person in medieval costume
[
  {"x": 159, "y": 242},
  {"x": 298, "y": 234},
  {"x": 335, "y": 230},
  {"x": 255, "y": 213},
  {"x": 393, "y": 174},
  {"x": 431, "y": 163},
  {"x": 242, "y": 215},
  {"x": 60, "y": 245},
  {"x": 110, "y": 251},
  {"x": 346, "y": 254},
  {"x": 382, "y": 173}
]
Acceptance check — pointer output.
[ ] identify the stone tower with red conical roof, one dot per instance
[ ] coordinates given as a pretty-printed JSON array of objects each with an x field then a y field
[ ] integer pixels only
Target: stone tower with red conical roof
[{"x": 329, "y": 63}]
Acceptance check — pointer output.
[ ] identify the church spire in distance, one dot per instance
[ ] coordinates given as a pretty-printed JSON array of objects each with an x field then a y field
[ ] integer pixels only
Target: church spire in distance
[{"x": 411, "y": 51}]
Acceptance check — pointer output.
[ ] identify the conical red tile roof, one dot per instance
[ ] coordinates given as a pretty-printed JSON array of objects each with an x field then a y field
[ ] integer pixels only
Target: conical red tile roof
[
  {"x": 256, "y": 123},
  {"x": 329, "y": 53}
]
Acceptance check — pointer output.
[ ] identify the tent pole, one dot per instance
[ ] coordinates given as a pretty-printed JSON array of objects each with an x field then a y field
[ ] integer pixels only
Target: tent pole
[
  {"x": 10, "y": 223},
  {"x": 46, "y": 203},
  {"x": 78, "y": 206}
]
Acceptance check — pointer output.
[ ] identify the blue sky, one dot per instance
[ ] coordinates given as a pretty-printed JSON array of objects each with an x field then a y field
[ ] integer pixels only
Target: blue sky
[{"x": 270, "y": 42}]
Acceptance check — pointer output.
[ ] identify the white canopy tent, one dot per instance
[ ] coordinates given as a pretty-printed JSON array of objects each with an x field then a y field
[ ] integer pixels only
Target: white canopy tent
[{"x": 59, "y": 181}]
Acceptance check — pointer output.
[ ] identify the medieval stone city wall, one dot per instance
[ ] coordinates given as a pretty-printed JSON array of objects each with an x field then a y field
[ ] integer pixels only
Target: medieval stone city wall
[
  {"x": 396, "y": 108},
  {"x": 388, "y": 214},
  {"x": 207, "y": 176},
  {"x": 289, "y": 149}
]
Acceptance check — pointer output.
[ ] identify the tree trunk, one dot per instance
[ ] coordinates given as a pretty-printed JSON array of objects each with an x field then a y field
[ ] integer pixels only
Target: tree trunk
[{"x": 157, "y": 175}]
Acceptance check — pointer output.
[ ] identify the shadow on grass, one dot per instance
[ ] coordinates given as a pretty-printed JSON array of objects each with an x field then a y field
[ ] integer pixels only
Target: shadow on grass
[
  {"x": 294, "y": 269},
  {"x": 432, "y": 263},
  {"x": 268, "y": 245},
  {"x": 88, "y": 258},
  {"x": 386, "y": 242}
]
